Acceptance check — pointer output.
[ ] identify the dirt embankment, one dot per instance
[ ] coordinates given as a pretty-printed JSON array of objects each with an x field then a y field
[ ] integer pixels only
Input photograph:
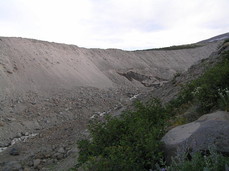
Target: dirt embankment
[
  {"x": 42, "y": 67},
  {"x": 54, "y": 89}
]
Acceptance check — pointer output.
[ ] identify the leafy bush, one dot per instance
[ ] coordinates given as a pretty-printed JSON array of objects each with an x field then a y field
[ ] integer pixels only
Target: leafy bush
[{"x": 128, "y": 142}]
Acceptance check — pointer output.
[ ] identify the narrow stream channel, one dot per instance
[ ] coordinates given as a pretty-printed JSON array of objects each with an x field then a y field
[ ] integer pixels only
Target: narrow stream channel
[{"x": 15, "y": 140}]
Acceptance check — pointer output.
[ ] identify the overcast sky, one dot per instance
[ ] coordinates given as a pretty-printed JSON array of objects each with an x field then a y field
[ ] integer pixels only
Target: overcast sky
[{"x": 125, "y": 24}]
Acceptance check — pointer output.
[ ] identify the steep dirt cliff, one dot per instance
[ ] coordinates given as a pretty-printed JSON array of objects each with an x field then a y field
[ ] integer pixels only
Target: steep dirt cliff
[{"x": 38, "y": 66}]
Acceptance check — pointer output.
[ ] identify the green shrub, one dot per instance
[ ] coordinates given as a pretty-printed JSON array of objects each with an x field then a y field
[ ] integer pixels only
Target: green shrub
[{"x": 128, "y": 142}]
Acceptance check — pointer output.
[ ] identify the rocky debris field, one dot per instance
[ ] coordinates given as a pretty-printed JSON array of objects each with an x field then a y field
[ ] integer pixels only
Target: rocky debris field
[{"x": 41, "y": 132}]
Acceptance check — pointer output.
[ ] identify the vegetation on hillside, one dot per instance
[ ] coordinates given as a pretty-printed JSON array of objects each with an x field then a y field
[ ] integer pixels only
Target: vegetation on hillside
[
  {"x": 132, "y": 140},
  {"x": 177, "y": 47},
  {"x": 207, "y": 91}
]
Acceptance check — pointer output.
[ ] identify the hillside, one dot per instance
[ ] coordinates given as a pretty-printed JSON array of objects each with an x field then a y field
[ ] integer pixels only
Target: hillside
[
  {"x": 50, "y": 91},
  {"x": 38, "y": 66},
  {"x": 187, "y": 131}
]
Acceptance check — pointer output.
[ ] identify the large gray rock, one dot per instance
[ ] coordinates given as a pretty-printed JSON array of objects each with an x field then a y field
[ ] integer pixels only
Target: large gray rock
[{"x": 209, "y": 130}]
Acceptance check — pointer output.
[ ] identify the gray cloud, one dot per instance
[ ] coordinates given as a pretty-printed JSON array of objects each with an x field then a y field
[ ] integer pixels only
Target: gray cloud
[{"x": 126, "y": 24}]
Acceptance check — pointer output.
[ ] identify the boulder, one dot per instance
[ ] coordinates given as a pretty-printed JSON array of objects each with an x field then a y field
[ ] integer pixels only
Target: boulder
[{"x": 208, "y": 131}]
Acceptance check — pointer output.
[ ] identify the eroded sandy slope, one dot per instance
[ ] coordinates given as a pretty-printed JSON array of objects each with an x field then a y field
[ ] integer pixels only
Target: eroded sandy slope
[{"x": 38, "y": 66}]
